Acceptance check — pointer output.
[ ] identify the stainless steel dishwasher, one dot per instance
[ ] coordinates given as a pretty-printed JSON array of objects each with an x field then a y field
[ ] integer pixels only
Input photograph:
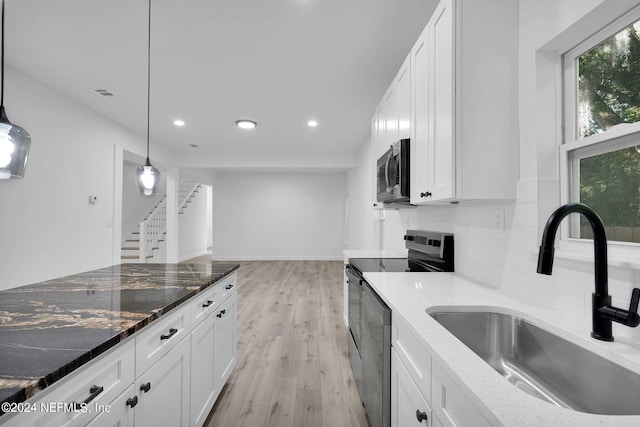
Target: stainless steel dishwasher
[{"x": 376, "y": 359}]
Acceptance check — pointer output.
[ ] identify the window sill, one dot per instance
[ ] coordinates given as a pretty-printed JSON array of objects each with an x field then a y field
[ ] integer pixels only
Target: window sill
[{"x": 618, "y": 255}]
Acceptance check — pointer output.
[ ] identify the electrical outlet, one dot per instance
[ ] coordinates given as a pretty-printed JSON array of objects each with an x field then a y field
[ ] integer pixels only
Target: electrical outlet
[{"x": 499, "y": 220}]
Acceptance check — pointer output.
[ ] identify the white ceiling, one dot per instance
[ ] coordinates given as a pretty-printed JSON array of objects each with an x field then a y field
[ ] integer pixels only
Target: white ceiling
[{"x": 278, "y": 62}]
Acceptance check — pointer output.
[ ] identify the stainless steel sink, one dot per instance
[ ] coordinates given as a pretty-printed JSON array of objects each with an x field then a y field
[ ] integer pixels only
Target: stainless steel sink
[{"x": 546, "y": 365}]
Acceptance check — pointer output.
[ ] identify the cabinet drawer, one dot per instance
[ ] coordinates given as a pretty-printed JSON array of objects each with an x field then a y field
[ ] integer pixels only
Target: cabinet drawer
[
  {"x": 120, "y": 413},
  {"x": 226, "y": 287},
  {"x": 159, "y": 337},
  {"x": 98, "y": 383},
  {"x": 412, "y": 353},
  {"x": 204, "y": 304},
  {"x": 451, "y": 407}
]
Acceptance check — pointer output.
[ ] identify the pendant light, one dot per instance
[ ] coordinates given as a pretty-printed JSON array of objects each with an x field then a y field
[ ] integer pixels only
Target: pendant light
[
  {"x": 14, "y": 141},
  {"x": 147, "y": 176}
]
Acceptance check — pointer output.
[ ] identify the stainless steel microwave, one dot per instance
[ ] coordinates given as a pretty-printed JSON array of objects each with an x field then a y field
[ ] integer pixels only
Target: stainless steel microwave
[{"x": 393, "y": 173}]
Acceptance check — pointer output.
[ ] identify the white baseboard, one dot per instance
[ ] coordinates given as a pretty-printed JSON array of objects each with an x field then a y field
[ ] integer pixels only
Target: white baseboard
[
  {"x": 194, "y": 255},
  {"x": 276, "y": 258}
]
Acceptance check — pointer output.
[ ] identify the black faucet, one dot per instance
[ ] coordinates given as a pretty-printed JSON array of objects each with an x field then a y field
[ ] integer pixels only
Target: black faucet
[{"x": 602, "y": 311}]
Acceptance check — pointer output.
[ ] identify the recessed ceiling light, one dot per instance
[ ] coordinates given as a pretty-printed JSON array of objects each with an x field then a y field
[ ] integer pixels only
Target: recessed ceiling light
[
  {"x": 178, "y": 122},
  {"x": 312, "y": 123},
  {"x": 246, "y": 124}
]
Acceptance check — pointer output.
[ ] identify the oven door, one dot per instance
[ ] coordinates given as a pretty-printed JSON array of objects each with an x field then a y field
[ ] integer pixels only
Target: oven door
[
  {"x": 355, "y": 303},
  {"x": 355, "y": 318}
]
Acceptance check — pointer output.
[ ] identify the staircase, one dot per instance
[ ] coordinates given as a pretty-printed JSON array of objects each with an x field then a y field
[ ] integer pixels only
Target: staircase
[{"x": 145, "y": 243}]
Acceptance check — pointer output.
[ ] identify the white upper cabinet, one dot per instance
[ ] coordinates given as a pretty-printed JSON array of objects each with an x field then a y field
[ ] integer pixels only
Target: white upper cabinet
[
  {"x": 392, "y": 119},
  {"x": 464, "y": 120}
]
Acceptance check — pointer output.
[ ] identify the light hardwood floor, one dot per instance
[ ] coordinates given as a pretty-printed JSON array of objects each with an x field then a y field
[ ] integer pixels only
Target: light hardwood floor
[{"x": 293, "y": 369}]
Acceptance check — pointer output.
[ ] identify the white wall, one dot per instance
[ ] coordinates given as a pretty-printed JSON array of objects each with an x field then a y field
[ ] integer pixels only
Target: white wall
[
  {"x": 47, "y": 225},
  {"x": 278, "y": 215},
  {"x": 364, "y": 222},
  {"x": 193, "y": 226},
  {"x": 507, "y": 259}
]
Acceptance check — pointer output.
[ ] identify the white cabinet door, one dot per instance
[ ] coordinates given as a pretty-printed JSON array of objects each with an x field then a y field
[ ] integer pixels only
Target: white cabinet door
[
  {"x": 441, "y": 73},
  {"x": 224, "y": 346},
  {"x": 119, "y": 413},
  {"x": 450, "y": 405},
  {"x": 419, "y": 145},
  {"x": 403, "y": 95},
  {"x": 390, "y": 117},
  {"x": 408, "y": 406},
  {"x": 464, "y": 106},
  {"x": 203, "y": 379},
  {"x": 166, "y": 399}
]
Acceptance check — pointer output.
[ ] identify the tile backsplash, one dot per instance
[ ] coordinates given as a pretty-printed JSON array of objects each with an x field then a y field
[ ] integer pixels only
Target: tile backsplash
[{"x": 506, "y": 258}]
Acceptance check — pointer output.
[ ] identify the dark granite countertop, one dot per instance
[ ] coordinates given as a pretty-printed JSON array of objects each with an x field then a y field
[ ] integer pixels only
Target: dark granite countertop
[{"x": 48, "y": 329}]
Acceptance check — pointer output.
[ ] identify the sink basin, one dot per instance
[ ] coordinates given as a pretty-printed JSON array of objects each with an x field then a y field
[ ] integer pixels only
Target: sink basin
[{"x": 546, "y": 365}]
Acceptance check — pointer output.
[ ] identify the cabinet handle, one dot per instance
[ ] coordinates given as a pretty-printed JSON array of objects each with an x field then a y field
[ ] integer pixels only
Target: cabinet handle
[
  {"x": 425, "y": 194},
  {"x": 145, "y": 387},
  {"x": 132, "y": 401},
  {"x": 172, "y": 332},
  {"x": 229, "y": 287},
  {"x": 221, "y": 313},
  {"x": 207, "y": 304},
  {"x": 421, "y": 415},
  {"x": 94, "y": 391}
]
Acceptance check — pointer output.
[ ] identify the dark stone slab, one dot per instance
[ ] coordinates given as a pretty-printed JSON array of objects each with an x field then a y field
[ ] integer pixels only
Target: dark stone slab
[{"x": 49, "y": 329}]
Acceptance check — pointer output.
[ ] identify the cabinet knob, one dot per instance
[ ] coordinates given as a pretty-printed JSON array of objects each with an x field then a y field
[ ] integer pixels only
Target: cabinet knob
[
  {"x": 145, "y": 387},
  {"x": 425, "y": 194},
  {"x": 421, "y": 415},
  {"x": 132, "y": 401}
]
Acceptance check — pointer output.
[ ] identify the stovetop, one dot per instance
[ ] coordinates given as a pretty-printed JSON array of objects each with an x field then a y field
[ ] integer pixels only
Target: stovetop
[{"x": 428, "y": 251}]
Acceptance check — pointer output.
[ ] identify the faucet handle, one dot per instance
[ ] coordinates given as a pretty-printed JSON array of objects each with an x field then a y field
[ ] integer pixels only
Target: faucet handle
[
  {"x": 630, "y": 317},
  {"x": 633, "y": 307}
]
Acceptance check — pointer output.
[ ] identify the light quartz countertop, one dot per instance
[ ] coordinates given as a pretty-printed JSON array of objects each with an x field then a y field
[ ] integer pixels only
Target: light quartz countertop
[{"x": 411, "y": 295}]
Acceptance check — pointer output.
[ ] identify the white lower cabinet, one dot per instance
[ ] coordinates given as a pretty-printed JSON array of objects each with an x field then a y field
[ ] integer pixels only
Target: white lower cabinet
[
  {"x": 203, "y": 380},
  {"x": 450, "y": 405},
  {"x": 163, "y": 391},
  {"x": 213, "y": 357},
  {"x": 224, "y": 343},
  {"x": 419, "y": 386},
  {"x": 408, "y": 405},
  {"x": 119, "y": 415}
]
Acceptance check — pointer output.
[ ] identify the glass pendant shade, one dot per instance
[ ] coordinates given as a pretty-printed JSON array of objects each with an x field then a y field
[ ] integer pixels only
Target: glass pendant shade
[
  {"x": 14, "y": 148},
  {"x": 147, "y": 177}
]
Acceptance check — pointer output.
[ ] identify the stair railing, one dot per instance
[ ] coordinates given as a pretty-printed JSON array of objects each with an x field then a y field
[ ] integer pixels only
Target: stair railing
[
  {"x": 152, "y": 230},
  {"x": 185, "y": 191}
]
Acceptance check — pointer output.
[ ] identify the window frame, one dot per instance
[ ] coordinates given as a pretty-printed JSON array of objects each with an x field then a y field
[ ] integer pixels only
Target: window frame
[{"x": 572, "y": 149}]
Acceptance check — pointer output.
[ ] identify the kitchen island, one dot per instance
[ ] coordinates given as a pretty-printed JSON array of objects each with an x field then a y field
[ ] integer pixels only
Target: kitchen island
[{"x": 50, "y": 329}]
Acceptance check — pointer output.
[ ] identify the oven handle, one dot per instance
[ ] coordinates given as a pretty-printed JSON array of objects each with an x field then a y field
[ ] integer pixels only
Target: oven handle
[
  {"x": 386, "y": 170},
  {"x": 354, "y": 273}
]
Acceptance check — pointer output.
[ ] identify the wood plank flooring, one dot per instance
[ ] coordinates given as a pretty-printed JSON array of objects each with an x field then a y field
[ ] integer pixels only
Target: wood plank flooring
[{"x": 293, "y": 368}]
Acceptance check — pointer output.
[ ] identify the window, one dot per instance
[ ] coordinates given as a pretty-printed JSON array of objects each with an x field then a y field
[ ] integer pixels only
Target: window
[{"x": 602, "y": 129}]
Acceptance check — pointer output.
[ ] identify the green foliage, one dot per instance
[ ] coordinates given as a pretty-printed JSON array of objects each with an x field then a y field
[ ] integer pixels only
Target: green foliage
[
  {"x": 609, "y": 89},
  {"x": 610, "y": 184},
  {"x": 609, "y": 82}
]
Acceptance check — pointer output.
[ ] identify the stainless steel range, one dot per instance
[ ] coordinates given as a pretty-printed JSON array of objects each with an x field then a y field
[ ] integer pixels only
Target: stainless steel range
[{"x": 370, "y": 318}]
